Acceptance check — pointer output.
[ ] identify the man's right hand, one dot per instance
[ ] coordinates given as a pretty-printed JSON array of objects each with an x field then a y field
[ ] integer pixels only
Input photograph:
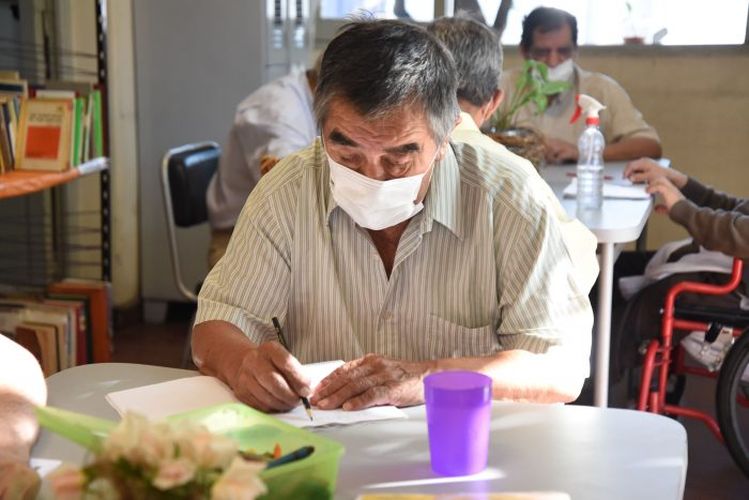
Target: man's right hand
[
  {"x": 646, "y": 171},
  {"x": 269, "y": 378}
]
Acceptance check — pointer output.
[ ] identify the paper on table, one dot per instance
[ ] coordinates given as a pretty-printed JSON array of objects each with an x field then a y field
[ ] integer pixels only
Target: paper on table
[
  {"x": 43, "y": 466},
  {"x": 622, "y": 189},
  {"x": 161, "y": 400}
]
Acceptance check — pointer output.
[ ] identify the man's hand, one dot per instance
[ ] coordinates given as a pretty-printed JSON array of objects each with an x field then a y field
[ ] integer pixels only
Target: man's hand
[
  {"x": 267, "y": 162},
  {"x": 559, "y": 151},
  {"x": 669, "y": 193},
  {"x": 372, "y": 381},
  {"x": 646, "y": 170},
  {"x": 270, "y": 379}
]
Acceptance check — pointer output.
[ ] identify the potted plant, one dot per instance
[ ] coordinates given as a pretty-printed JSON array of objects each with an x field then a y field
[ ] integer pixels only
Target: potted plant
[{"x": 532, "y": 88}]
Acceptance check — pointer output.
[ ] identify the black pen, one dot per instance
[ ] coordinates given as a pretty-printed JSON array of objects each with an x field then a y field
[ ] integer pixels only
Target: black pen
[
  {"x": 282, "y": 340},
  {"x": 295, "y": 455}
]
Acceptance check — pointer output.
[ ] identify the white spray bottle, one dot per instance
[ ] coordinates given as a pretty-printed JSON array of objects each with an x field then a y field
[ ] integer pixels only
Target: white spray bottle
[{"x": 590, "y": 155}]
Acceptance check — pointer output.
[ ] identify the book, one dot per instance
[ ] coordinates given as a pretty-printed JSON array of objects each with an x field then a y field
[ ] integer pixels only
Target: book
[
  {"x": 44, "y": 133},
  {"x": 14, "y": 87},
  {"x": 61, "y": 318},
  {"x": 100, "y": 313},
  {"x": 83, "y": 342},
  {"x": 45, "y": 336}
]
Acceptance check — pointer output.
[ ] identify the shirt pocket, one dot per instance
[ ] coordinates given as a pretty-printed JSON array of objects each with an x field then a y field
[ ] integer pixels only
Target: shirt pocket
[{"x": 445, "y": 339}]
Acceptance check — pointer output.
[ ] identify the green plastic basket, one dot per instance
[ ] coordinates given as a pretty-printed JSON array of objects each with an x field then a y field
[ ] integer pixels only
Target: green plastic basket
[{"x": 313, "y": 477}]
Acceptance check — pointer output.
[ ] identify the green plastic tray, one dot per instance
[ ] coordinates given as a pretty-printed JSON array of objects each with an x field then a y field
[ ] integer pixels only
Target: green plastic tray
[{"x": 313, "y": 477}]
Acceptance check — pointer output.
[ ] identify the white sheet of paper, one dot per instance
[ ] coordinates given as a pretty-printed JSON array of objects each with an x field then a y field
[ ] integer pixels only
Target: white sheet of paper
[
  {"x": 44, "y": 466},
  {"x": 619, "y": 188},
  {"x": 161, "y": 400}
]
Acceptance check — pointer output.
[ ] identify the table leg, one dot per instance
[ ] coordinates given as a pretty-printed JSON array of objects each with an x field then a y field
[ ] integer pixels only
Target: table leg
[{"x": 605, "y": 293}]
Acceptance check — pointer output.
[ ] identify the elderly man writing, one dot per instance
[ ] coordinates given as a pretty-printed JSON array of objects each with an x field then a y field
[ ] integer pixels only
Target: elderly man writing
[{"x": 385, "y": 245}]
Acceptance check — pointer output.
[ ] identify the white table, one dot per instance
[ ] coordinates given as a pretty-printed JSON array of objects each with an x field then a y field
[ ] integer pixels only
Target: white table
[
  {"x": 587, "y": 452},
  {"x": 617, "y": 222}
]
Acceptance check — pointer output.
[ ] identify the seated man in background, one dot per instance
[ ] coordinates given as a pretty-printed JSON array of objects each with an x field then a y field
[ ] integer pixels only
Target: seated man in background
[
  {"x": 22, "y": 388},
  {"x": 271, "y": 122},
  {"x": 550, "y": 36},
  {"x": 386, "y": 246},
  {"x": 478, "y": 58}
]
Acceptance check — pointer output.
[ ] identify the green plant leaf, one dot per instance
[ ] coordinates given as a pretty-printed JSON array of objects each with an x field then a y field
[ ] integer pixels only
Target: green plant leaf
[{"x": 552, "y": 87}]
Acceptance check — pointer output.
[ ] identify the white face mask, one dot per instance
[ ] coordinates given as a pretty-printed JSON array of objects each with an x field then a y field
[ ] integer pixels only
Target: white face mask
[
  {"x": 375, "y": 204},
  {"x": 562, "y": 72}
]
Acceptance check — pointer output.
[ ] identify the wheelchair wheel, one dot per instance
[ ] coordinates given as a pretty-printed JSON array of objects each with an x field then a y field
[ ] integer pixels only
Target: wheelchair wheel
[{"x": 732, "y": 400}]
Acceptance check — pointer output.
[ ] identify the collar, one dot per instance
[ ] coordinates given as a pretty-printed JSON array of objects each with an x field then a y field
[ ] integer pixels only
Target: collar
[
  {"x": 467, "y": 124},
  {"x": 442, "y": 202}
]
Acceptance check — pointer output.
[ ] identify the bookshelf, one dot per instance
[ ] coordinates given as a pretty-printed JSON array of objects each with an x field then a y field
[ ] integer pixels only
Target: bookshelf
[
  {"x": 42, "y": 257},
  {"x": 55, "y": 256}
]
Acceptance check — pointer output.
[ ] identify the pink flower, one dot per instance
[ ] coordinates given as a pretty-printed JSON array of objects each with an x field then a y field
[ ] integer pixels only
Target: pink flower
[
  {"x": 174, "y": 473},
  {"x": 241, "y": 481},
  {"x": 211, "y": 451},
  {"x": 139, "y": 441},
  {"x": 67, "y": 482}
]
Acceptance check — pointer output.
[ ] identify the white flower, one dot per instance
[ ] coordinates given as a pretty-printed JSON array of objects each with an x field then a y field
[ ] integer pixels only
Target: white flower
[
  {"x": 139, "y": 441},
  {"x": 102, "y": 488},
  {"x": 241, "y": 481},
  {"x": 211, "y": 451},
  {"x": 174, "y": 473}
]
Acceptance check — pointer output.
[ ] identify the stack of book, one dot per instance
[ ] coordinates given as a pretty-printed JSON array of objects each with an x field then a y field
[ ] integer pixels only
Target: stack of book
[
  {"x": 69, "y": 325},
  {"x": 53, "y": 128}
]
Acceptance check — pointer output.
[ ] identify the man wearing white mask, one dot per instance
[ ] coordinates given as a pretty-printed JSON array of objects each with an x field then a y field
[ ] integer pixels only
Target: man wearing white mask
[
  {"x": 389, "y": 247},
  {"x": 550, "y": 36}
]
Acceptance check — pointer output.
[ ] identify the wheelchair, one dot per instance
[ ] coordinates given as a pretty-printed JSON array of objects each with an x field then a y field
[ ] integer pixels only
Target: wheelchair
[{"x": 663, "y": 359}]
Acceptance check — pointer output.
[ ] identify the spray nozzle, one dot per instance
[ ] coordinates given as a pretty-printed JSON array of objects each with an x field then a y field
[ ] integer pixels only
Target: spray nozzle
[{"x": 589, "y": 106}]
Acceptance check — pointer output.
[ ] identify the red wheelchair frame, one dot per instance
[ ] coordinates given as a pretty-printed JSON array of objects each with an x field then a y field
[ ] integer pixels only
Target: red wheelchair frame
[{"x": 659, "y": 352}]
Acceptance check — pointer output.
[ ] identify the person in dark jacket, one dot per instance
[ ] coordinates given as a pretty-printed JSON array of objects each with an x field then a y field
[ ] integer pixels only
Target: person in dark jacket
[{"x": 716, "y": 221}]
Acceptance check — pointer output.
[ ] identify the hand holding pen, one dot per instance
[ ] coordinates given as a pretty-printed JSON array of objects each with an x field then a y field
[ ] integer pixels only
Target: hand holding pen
[
  {"x": 266, "y": 376},
  {"x": 282, "y": 340}
]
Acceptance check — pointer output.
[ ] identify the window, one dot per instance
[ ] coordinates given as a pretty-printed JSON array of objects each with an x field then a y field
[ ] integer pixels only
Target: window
[
  {"x": 609, "y": 22},
  {"x": 600, "y": 22},
  {"x": 418, "y": 10}
]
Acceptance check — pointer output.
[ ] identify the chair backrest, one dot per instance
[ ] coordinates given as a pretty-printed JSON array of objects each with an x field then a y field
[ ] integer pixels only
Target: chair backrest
[
  {"x": 189, "y": 170},
  {"x": 186, "y": 172}
]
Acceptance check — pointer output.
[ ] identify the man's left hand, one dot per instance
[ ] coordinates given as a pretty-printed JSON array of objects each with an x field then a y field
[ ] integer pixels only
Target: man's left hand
[
  {"x": 372, "y": 381},
  {"x": 669, "y": 193},
  {"x": 559, "y": 151}
]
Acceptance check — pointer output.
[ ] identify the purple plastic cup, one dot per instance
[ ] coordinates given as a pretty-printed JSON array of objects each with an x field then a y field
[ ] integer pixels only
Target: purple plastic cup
[{"x": 458, "y": 407}]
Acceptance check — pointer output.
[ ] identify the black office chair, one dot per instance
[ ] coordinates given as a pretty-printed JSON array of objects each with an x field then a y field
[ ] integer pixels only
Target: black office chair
[{"x": 185, "y": 174}]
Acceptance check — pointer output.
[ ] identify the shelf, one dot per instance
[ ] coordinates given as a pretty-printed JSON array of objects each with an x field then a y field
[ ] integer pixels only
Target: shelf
[{"x": 23, "y": 182}]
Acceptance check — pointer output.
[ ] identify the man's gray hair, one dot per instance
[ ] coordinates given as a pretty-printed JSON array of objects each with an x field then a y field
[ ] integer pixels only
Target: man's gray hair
[
  {"x": 378, "y": 66},
  {"x": 477, "y": 53}
]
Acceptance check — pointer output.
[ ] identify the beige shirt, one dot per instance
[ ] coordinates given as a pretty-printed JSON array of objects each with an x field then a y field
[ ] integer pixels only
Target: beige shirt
[
  {"x": 482, "y": 268},
  {"x": 620, "y": 120},
  {"x": 580, "y": 242}
]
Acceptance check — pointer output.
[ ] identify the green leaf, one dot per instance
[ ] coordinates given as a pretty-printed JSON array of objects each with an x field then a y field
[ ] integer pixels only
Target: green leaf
[{"x": 554, "y": 87}]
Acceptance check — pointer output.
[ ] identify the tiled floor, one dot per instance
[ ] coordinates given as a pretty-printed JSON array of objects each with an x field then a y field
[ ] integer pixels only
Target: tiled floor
[{"x": 711, "y": 473}]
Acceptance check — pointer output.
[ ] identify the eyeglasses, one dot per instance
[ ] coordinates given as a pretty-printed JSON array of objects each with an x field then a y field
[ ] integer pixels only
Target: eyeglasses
[{"x": 544, "y": 52}]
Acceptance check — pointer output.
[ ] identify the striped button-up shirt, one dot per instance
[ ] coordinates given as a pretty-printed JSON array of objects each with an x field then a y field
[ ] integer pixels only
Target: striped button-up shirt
[{"x": 482, "y": 268}]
